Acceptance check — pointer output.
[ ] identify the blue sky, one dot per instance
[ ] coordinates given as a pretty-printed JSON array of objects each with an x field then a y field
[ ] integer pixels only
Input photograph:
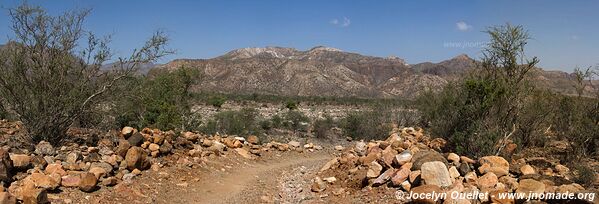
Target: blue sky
[{"x": 565, "y": 33}]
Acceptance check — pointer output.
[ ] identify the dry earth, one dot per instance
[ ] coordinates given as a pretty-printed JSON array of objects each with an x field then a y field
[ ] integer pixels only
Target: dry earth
[{"x": 282, "y": 177}]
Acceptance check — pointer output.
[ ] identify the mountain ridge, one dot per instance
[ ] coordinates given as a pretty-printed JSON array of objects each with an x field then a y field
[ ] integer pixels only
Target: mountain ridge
[{"x": 327, "y": 71}]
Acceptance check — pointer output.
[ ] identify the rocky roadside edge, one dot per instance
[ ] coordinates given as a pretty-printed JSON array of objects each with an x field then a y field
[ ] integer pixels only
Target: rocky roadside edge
[
  {"x": 408, "y": 161},
  {"x": 31, "y": 176}
]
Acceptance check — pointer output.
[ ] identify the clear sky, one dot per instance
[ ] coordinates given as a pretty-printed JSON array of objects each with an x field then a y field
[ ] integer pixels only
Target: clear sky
[{"x": 566, "y": 33}]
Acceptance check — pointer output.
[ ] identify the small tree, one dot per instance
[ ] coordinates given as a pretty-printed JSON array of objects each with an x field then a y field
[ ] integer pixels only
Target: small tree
[
  {"x": 477, "y": 112},
  {"x": 51, "y": 70}
]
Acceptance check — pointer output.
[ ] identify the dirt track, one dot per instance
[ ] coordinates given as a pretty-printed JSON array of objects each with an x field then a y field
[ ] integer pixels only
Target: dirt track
[{"x": 274, "y": 177}]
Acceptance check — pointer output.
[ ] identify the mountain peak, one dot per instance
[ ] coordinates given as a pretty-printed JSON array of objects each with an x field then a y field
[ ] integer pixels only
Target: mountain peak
[
  {"x": 324, "y": 48},
  {"x": 462, "y": 57}
]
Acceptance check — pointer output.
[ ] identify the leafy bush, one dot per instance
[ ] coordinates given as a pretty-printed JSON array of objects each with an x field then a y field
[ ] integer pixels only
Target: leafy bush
[
  {"x": 242, "y": 122},
  {"x": 475, "y": 113},
  {"x": 367, "y": 125},
  {"x": 296, "y": 121},
  {"x": 217, "y": 101},
  {"x": 323, "y": 126},
  {"x": 160, "y": 100},
  {"x": 291, "y": 104},
  {"x": 51, "y": 72}
]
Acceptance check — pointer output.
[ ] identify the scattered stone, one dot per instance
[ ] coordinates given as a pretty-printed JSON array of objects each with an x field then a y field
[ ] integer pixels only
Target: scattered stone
[
  {"x": 136, "y": 139},
  {"x": 123, "y": 147},
  {"x": 422, "y": 157},
  {"x": 154, "y": 147},
  {"x": 34, "y": 195},
  {"x": 339, "y": 148},
  {"x": 71, "y": 180},
  {"x": 294, "y": 144},
  {"x": 166, "y": 148},
  {"x": 527, "y": 170},
  {"x": 318, "y": 185},
  {"x": 110, "y": 181},
  {"x": 98, "y": 172},
  {"x": 329, "y": 164},
  {"x": 453, "y": 157},
  {"x": 331, "y": 179},
  {"x": 45, "y": 149},
  {"x": 360, "y": 148},
  {"x": 244, "y": 153},
  {"x": 20, "y": 161},
  {"x": 253, "y": 139},
  {"x": 436, "y": 173},
  {"x": 404, "y": 157},
  {"x": 136, "y": 159},
  {"x": 453, "y": 172},
  {"x": 44, "y": 181},
  {"x": 126, "y": 132},
  {"x": 487, "y": 181},
  {"x": 73, "y": 157},
  {"x": 384, "y": 177},
  {"x": 55, "y": 169},
  {"x": 530, "y": 186},
  {"x": 400, "y": 176},
  {"x": 88, "y": 182},
  {"x": 374, "y": 170},
  {"x": 496, "y": 164}
]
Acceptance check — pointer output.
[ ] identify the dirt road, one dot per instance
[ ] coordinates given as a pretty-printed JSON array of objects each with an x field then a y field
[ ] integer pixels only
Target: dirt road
[{"x": 275, "y": 177}]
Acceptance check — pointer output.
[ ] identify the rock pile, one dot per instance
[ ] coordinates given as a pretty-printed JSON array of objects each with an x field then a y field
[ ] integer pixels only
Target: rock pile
[
  {"x": 409, "y": 161},
  {"x": 30, "y": 175}
]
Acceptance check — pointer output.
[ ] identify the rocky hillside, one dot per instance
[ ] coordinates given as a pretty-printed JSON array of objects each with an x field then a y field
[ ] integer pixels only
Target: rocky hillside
[
  {"x": 325, "y": 71},
  {"x": 320, "y": 71}
]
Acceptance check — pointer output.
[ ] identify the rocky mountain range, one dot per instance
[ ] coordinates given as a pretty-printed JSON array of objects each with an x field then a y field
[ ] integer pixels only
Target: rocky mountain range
[{"x": 325, "y": 71}]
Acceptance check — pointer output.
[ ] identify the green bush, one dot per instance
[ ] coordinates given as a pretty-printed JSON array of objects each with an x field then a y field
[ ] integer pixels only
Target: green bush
[
  {"x": 217, "y": 101},
  {"x": 276, "y": 121},
  {"x": 50, "y": 90},
  {"x": 242, "y": 122},
  {"x": 160, "y": 101},
  {"x": 296, "y": 121},
  {"x": 291, "y": 104},
  {"x": 474, "y": 113},
  {"x": 367, "y": 125},
  {"x": 323, "y": 126}
]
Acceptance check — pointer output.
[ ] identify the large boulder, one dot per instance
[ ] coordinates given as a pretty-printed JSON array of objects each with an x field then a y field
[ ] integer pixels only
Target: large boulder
[
  {"x": 136, "y": 158},
  {"x": 5, "y": 166},
  {"x": 422, "y": 157},
  {"x": 496, "y": 164},
  {"x": 436, "y": 173},
  {"x": 88, "y": 182}
]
